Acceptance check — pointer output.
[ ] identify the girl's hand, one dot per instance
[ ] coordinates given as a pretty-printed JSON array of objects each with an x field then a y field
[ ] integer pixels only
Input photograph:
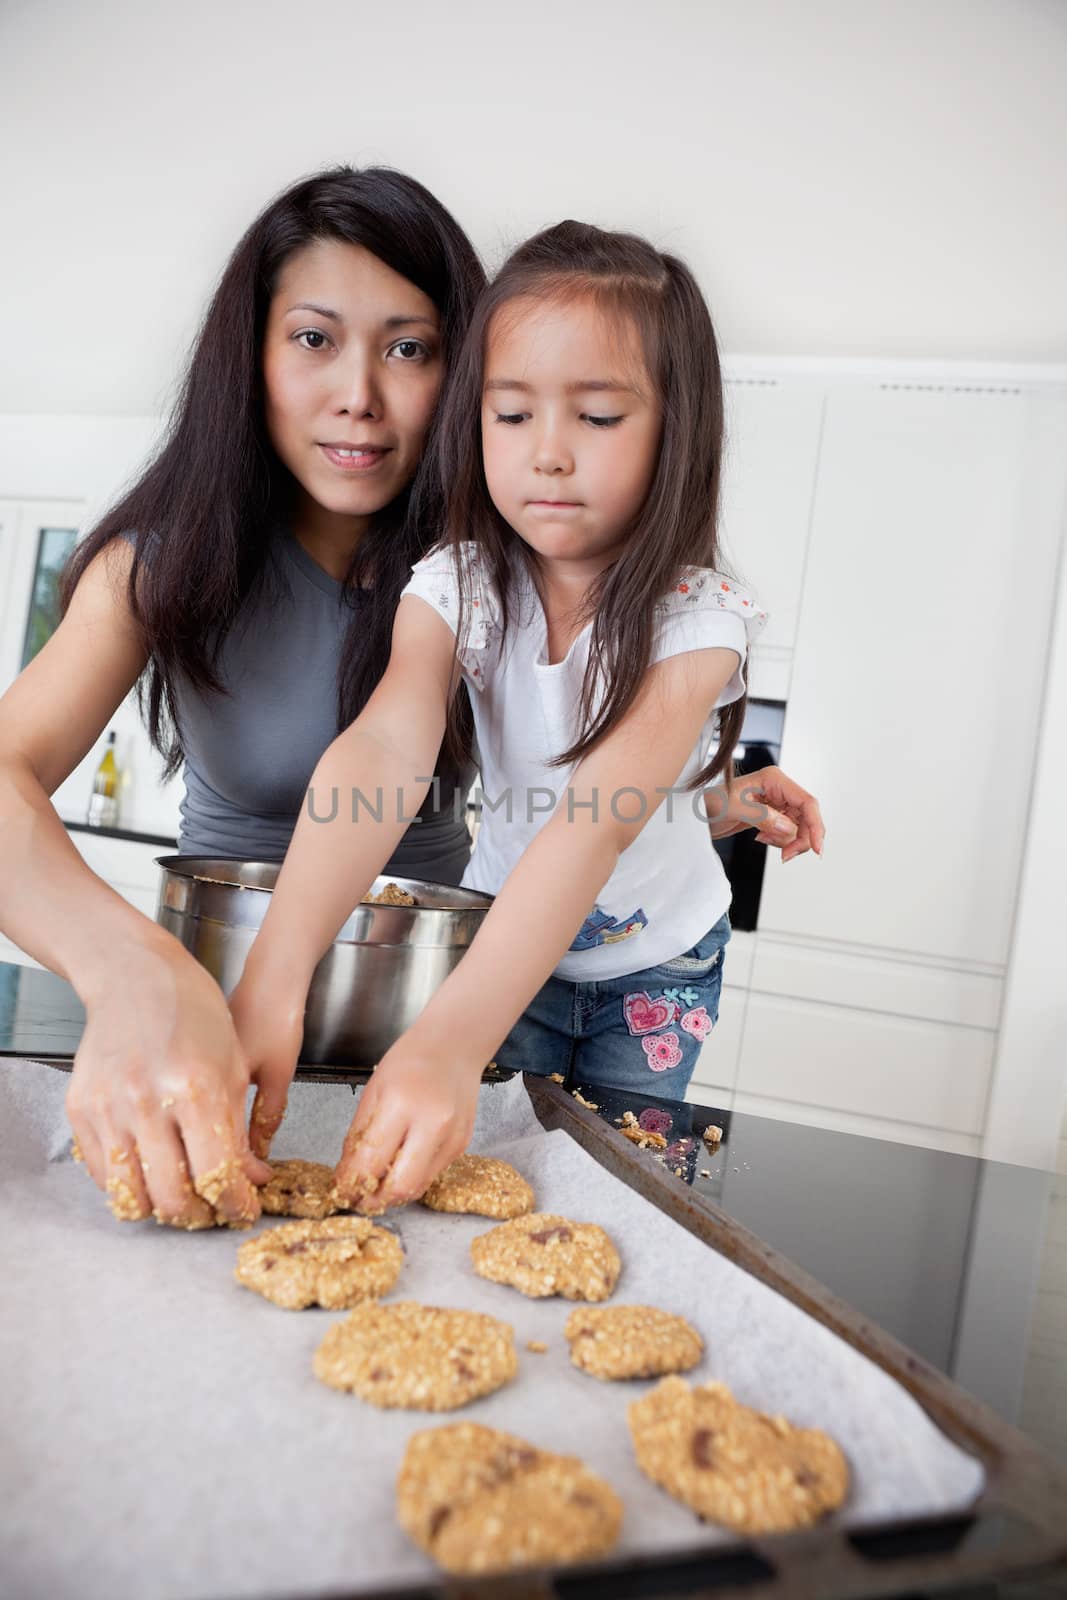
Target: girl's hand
[
  {"x": 415, "y": 1116},
  {"x": 269, "y": 1020},
  {"x": 786, "y": 815},
  {"x": 157, "y": 1094}
]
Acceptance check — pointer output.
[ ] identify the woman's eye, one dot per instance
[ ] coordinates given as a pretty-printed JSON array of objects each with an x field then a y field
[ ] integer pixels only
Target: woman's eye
[
  {"x": 603, "y": 422},
  {"x": 409, "y": 349},
  {"x": 316, "y": 339},
  {"x": 511, "y": 417}
]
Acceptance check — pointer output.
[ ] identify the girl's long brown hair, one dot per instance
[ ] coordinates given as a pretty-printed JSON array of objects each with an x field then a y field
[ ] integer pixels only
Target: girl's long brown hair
[{"x": 676, "y": 527}]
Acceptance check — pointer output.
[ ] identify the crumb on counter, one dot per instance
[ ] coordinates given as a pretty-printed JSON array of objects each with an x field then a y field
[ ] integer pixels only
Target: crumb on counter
[
  {"x": 644, "y": 1140},
  {"x": 712, "y": 1134},
  {"x": 538, "y": 1346},
  {"x": 590, "y": 1105}
]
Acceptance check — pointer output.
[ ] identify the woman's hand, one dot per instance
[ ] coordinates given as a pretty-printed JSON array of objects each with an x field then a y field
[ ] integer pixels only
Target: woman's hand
[
  {"x": 786, "y": 815},
  {"x": 157, "y": 1095},
  {"x": 415, "y": 1116},
  {"x": 268, "y": 1015}
]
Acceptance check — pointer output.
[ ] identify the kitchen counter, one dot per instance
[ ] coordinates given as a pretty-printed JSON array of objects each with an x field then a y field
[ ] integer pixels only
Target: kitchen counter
[{"x": 943, "y": 1251}]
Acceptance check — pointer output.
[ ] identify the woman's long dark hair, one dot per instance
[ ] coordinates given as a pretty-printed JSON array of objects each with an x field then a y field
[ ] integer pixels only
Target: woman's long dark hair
[
  {"x": 205, "y": 497},
  {"x": 676, "y": 527}
]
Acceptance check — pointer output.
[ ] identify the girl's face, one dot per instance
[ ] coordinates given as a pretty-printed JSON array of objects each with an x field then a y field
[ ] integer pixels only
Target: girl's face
[
  {"x": 351, "y": 370},
  {"x": 570, "y": 429}
]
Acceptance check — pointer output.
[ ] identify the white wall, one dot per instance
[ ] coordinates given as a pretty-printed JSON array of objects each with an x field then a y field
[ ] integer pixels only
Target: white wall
[{"x": 849, "y": 177}]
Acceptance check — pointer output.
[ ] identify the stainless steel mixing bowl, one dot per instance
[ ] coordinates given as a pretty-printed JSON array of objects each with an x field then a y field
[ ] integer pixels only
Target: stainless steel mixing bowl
[{"x": 369, "y": 987}]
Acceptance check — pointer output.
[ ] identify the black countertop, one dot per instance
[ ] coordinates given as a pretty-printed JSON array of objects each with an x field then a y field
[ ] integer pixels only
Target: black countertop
[{"x": 943, "y": 1251}]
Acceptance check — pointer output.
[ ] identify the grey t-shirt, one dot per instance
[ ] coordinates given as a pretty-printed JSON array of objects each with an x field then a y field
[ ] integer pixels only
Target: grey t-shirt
[{"x": 250, "y": 754}]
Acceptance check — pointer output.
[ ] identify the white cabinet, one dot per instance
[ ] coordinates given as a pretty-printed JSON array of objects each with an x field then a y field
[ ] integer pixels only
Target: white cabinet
[
  {"x": 917, "y": 674},
  {"x": 914, "y": 707},
  {"x": 127, "y": 865},
  {"x": 769, "y": 466}
]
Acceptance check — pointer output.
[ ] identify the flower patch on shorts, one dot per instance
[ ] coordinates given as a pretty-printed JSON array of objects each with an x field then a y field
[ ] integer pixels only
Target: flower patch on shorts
[
  {"x": 663, "y": 1051},
  {"x": 697, "y": 1022}
]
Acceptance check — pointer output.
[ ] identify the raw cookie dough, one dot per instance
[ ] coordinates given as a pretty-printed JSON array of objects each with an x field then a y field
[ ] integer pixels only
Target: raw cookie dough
[
  {"x": 733, "y": 1465},
  {"x": 300, "y": 1189},
  {"x": 211, "y": 1186},
  {"x": 422, "y": 1358},
  {"x": 482, "y": 1186},
  {"x": 478, "y": 1500},
  {"x": 631, "y": 1341},
  {"x": 391, "y": 895},
  {"x": 544, "y": 1255},
  {"x": 334, "y": 1263}
]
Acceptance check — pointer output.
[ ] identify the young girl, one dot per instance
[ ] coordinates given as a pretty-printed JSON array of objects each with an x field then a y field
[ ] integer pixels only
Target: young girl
[{"x": 578, "y": 598}]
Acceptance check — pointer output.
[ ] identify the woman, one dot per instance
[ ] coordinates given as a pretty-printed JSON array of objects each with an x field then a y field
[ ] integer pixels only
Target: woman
[{"x": 249, "y": 580}]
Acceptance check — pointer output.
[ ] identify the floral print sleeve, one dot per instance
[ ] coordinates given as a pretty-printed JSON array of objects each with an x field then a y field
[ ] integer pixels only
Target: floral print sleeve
[
  {"x": 441, "y": 582},
  {"x": 705, "y": 609}
]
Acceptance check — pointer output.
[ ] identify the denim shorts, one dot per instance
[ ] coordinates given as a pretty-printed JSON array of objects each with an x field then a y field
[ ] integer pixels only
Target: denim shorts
[{"x": 642, "y": 1032}]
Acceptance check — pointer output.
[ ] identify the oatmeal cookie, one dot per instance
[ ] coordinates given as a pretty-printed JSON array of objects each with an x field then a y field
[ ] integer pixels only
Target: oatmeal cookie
[
  {"x": 482, "y": 1186},
  {"x": 478, "y": 1500},
  {"x": 544, "y": 1255},
  {"x": 300, "y": 1189},
  {"x": 421, "y": 1358},
  {"x": 333, "y": 1263},
  {"x": 631, "y": 1342},
  {"x": 733, "y": 1465}
]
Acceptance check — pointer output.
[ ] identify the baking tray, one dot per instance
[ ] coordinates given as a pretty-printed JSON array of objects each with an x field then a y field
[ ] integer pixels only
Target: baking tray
[{"x": 1018, "y": 1525}]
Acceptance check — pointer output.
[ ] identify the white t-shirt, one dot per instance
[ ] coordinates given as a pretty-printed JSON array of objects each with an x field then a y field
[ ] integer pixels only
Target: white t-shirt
[{"x": 669, "y": 886}]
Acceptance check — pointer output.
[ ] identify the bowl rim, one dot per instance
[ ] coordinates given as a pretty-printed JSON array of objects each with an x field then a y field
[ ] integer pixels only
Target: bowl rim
[{"x": 191, "y": 868}]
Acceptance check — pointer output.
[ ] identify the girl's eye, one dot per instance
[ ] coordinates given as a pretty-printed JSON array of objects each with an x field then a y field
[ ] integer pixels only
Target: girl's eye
[
  {"x": 511, "y": 418},
  {"x": 316, "y": 339},
  {"x": 603, "y": 422},
  {"x": 409, "y": 349}
]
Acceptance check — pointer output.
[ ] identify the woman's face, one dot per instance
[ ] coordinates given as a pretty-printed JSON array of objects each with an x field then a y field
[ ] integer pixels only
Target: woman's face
[{"x": 351, "y": 370}]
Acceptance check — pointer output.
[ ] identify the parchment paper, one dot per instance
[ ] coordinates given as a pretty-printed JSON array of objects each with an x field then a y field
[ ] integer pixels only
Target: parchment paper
[{"x": 161, "y": 1433}]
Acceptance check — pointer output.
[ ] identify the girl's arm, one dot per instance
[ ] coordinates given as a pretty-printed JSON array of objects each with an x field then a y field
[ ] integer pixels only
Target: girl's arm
[
  {"x": 418, "y": 1110},
  {"x": 388, "y": 754},
  {"x": 158, "y": 1081}
]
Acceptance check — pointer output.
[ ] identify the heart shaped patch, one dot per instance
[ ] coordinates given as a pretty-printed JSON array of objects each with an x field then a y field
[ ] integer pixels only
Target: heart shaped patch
[{"x": 645, "y": 1015}]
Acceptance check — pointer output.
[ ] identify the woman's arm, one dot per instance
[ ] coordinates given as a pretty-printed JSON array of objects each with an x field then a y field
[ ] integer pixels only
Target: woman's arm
[
  {"x": 784, "y": 814},
  {"x": 158, "y": 1070},
  {"x": 418, "y": 1110},
  {"x": 390, "y": 752}
]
